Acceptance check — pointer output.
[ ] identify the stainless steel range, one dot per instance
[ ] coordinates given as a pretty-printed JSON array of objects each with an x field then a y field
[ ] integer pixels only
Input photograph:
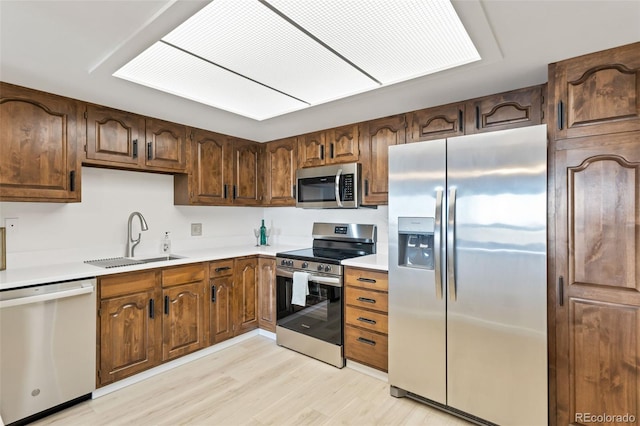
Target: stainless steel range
[{"x": 309, "y": 290}]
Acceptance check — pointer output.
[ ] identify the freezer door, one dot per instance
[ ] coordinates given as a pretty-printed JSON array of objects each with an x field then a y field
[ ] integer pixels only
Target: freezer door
[
  {"x": 417, "y": 331},
  {"x": 496, "y": 275}
]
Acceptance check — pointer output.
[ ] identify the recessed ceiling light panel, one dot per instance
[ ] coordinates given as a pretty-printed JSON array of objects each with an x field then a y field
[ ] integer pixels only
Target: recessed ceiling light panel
[
  {"x": 250, "y": 39},
  {"x": 164, "y": 68},
  {"x": 391, "y": 40},
  {"x": 264, "y": 58}
]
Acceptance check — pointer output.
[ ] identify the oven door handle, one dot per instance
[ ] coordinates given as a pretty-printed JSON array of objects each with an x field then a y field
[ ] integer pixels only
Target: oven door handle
[
  {"x": 320, "y": 279},
  {"x": 338, "y": 200}
]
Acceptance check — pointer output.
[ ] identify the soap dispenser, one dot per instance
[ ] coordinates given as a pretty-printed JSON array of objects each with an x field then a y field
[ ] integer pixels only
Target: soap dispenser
[{"x": 166, "y": 244}]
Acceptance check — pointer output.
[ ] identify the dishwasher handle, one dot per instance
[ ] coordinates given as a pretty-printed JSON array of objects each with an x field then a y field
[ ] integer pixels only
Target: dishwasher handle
[{"x": 82, "y": 289}]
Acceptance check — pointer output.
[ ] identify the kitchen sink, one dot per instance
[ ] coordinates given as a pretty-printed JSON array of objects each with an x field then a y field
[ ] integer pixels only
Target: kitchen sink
[
  {"x": 117, "y": 262},
  {"x": 161, "y": 259}
]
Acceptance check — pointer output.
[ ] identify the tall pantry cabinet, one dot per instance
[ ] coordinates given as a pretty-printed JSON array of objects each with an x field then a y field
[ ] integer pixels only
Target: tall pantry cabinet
[{"x": 594, "y": 111}]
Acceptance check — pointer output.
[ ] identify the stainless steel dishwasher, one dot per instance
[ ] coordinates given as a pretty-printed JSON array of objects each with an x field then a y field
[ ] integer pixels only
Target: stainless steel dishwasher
[{"x": 47, "y": 347}]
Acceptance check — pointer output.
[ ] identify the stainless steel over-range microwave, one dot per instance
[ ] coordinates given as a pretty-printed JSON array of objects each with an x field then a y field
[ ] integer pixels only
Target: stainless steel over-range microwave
[{"x": 328, "y": 187}]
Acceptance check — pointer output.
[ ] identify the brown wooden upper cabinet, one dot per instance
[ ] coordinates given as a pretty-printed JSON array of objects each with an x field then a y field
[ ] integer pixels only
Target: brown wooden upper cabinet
[
  {"x": 40, "y": 135},
  {"x": 247, "y": 185},
  {"x": 338, "y": 145},
  {"x": 376, "y": 136},
  {"x": 120, "y": 139},
  {"x": 279, "y": 172},
  {"x": 210, "y": 170},
  {"x": 595, "y": 94},
  {"x": 222, "y": 171},
  {"x": 436, "y": 123},
  {"x": 508, "y": 110}
]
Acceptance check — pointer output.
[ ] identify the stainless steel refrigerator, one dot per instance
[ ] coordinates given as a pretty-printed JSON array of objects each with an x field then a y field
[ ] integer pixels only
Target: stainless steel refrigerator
[{"x": 467, "y": 274}]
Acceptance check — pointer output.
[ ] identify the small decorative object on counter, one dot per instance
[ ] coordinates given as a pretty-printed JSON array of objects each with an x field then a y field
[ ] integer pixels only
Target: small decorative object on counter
[
  {"x": 256, "y": 233},
  {"x": 166, "y": 244},
  {"x": 263, "y": 234}
]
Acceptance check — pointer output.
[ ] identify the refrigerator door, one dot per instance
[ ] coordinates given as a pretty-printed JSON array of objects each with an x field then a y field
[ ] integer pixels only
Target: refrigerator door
[
  {"x": 417, "y": 329},
  {"x": 496, "y": 275}
]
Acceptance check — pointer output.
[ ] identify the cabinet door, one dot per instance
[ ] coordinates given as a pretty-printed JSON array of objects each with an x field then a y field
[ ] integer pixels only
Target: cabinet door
[
  {"x": 245, "y": 293},
  {"x": 114, "y": 136},
  {"x": 435, "y": 123},
  {"x": 211, "y": 171},
  {"x": 311, "y": 149},
  {"x": 267, "y": 294},
  {"x": 165, "y": 145},
  {"x": 376, "y": 138},
  {"x": 246, "y": 183},
  {"x": 517, "y": 108},
  {"x": 597, "y": 278},
  {"x": 280, "y": 164},
  {"x": 342, "y": 144},
  {"x": 39, "y": 136},
  {"x": 127, "y": 335},
  {"x": 595, "y": 94},
  {"x": 183, "y": 320},
  {"x": 221, "y": 316}
]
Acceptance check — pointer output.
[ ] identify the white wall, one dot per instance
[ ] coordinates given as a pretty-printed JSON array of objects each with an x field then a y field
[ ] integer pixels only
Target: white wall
[{"x": 97, "y": 227}]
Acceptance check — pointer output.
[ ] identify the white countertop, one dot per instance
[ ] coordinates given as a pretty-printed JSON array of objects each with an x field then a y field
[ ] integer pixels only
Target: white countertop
[
  {"x": 22, "y": 277},
  {"x": 378, "y": 261}
]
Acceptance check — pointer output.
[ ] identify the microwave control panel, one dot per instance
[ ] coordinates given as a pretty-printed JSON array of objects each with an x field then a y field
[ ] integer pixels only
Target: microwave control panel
[{"x": 347, "y": 188}]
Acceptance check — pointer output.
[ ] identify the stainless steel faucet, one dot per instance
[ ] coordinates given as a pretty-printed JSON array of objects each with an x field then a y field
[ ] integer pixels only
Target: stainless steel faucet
[{"x": 131, "y": 243}]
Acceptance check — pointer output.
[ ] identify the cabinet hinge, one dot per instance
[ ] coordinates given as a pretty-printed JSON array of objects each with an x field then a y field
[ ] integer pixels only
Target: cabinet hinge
[
  {"x": 99, "y": 375},
  {"x": 99, "y": 312},
  {"x": 86, "y": 115},
  {"x": 85, "y": 147}
]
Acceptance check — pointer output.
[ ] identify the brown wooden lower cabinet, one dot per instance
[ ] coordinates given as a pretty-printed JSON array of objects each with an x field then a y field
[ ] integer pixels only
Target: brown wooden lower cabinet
[
  {"x": 366, "y": 317},
  {"x": 183, "y": 294},
  {"x": 267, "y": 293},
  {"x": 149, "y": 317},
  {"x": 129, "y": 325}
]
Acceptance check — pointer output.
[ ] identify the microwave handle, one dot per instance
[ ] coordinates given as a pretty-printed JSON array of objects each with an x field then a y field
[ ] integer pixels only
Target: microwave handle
[{"x": 338, "y": 200}]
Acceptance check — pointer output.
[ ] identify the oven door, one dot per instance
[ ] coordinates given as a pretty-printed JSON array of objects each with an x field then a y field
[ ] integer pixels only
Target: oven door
[{"x": 321, "y": 317}]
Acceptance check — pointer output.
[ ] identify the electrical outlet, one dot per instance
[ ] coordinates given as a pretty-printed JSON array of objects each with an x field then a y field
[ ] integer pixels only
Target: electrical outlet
[
  {"x": 196, "y": 229},
  {"x": 11, "y": 224}
]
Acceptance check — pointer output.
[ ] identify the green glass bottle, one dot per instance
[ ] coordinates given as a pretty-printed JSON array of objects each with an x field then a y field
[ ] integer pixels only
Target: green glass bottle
[{"x": 263, "y": 234}]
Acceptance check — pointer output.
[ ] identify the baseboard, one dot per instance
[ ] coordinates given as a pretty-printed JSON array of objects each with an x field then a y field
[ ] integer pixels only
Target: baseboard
[
  {"x": 267, "y": 334},
  {"x": 364, "y": 369}
]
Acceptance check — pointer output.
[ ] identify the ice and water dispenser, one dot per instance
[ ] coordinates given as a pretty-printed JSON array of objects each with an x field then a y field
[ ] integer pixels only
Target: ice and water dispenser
[{"x": 415, "y": 242}]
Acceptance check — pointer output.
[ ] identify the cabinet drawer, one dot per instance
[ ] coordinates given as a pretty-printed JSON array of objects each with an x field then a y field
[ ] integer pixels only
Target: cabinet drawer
[
  {"x": 370, "y": 320},
  {"x": 182, "y": 275},
  {"x": 374, "y": 280},
  {"x": 367, "y": 299},
  {"x": 366, "y": 347},
  {"x": 220, "y": 268},
  {"x": 128, "y": 283}
]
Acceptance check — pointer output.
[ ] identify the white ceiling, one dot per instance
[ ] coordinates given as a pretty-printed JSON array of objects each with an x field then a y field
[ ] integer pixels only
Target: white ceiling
[{"x": 72, "y": 48}]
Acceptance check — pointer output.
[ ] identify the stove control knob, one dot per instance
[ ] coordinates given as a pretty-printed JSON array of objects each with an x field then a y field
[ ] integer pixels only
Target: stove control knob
[
  {"x": 290, "y": 263},
  {"x": 320, "y": 267},
  {"x": 305, "y": 265},
  {"x": 327, "y": 268},
  {"x": 283, "y": 262}
]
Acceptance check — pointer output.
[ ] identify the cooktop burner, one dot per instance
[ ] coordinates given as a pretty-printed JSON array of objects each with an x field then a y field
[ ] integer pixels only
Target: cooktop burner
[{"x": 320, "y": 255}]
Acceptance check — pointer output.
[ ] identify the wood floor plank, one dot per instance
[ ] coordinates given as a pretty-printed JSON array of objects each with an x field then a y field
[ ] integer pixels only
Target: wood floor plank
[{"x": 258, "y": 383}]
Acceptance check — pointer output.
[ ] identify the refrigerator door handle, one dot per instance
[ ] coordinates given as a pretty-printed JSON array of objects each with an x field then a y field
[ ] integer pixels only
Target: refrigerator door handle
[
  {"x": 437, "y": 242},
  {"x": 451, "y": 248}
]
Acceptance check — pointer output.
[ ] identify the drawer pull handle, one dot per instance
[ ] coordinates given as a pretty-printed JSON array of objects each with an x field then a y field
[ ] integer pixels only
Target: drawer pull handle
[
  {"x": 366, "y": 300},
  {"x": 366, "y": 341},
  {"x": 223, "y": 268},
  {"x": 367, "y": 280},
  {"x": 367, "y": 320}
]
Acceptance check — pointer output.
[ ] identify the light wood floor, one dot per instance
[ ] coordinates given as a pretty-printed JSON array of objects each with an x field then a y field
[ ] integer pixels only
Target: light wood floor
[{"x": 254, "y": 382}]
